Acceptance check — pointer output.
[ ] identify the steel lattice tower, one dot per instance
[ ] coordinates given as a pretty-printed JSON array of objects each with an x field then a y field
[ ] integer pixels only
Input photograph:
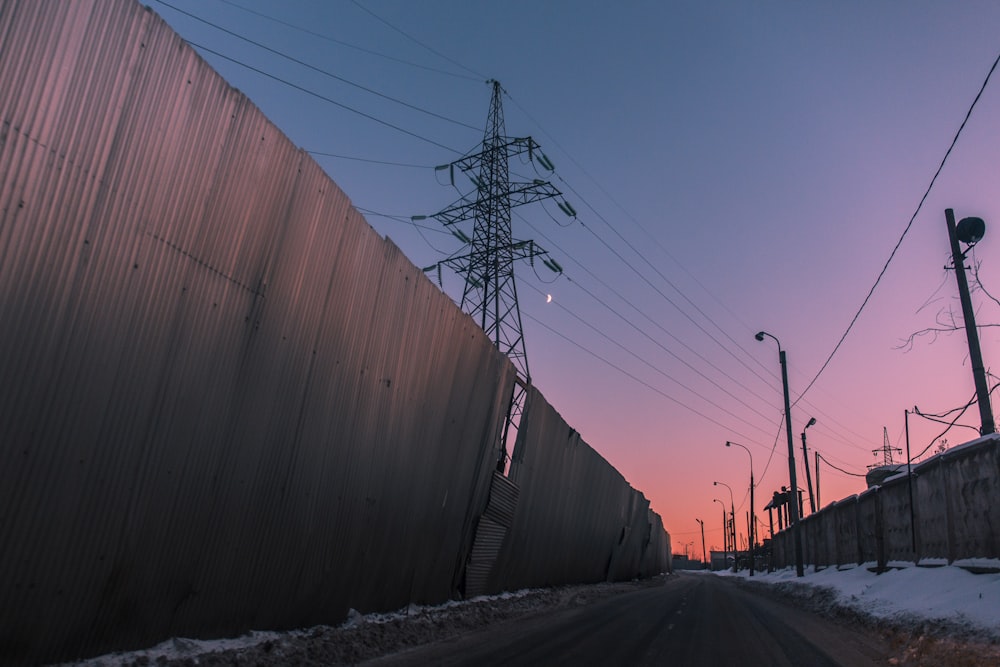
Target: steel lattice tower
[{"x": 490, "y": 291}]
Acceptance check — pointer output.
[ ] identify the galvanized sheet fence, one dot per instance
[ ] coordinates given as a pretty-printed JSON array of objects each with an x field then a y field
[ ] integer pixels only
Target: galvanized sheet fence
[{"x": 226, "y": 402}]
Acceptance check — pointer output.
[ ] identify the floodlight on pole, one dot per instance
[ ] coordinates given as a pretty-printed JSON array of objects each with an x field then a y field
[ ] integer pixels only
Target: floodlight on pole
[{"x": 970, "y": 231}]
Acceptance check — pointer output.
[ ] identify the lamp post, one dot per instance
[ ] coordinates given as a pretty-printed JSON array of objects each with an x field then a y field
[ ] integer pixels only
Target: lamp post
[
  {"x": 794, "y": 506},
  {"x": 732, "y": 519},
  {"x": 805, "y": 461},
  {"x": 725, "y": 533},
  {"x": 753, "y": 518},
  {"x": 970, "y": 231}
]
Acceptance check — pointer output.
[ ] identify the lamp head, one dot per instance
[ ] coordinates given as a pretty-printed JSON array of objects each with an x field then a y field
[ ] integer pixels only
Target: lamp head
[
  {"x": 812, "y": 420},
  {"x": 728, "y": 443},
  {"x": 715, "y": 483},
  {"x": 759, "y": 336},
  {"x": 970, "y": 230}
]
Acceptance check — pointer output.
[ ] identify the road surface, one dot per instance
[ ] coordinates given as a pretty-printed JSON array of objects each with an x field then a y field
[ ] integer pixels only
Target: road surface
[{"x": 693, "y": 619}]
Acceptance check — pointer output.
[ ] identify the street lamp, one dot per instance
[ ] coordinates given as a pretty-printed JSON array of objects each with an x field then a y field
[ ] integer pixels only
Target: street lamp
[
  {"x": 969, "y": 231},
  {"x": 725, "y": 533},
  {"x": 805, "y": 461},
  {"x": 753, "y": 523},
  {"x": 732, "y": 518},
  {"x": 794, "y": 506}
]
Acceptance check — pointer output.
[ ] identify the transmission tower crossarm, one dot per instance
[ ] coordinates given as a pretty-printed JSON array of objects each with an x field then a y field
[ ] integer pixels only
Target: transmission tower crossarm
[
  {"x": 518, "y": 195},
  {"x": 510, "y": 148}
]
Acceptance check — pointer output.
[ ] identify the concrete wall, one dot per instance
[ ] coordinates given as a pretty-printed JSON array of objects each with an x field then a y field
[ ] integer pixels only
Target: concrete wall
[
  {"x": 226, "y": 402},
  {"x": 956, "y": 505}
]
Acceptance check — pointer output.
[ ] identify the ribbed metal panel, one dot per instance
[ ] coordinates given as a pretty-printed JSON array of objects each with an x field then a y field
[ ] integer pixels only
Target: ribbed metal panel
[
  {"x": 503, "y": 500},
  {"x": 577, "y": 519},
  {"x": 490, "y": 536},
  {"x": 490, "y": 533},
  {"x": 226, "y": 401}
]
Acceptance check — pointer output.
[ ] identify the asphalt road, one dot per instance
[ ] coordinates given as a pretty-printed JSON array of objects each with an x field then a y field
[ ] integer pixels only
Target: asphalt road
[{"x": 692, "y": 619}]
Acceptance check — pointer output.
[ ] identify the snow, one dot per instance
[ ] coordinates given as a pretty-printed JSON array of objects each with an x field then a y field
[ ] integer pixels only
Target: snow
[
  {"x": 362, "y": 636},
  {"x": 946, "y": 599},
  {"x": 947, "y": 595}
]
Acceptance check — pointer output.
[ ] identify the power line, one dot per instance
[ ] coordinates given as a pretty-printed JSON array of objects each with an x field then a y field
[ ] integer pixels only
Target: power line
[
  {"x": 682, "y": 311},
  {"x": 601, "y": 188},
  {"x": 905, "y": 231},
  {"x": 361, "y": 159},
  {"x": 417, "y": 41},
  {"x": 348, "y": 44},
  {"x": 653, "y": 340},
  {"x": 318, "y": 69},
  {"x": 654, "y": 287},
  {"x": 636, "y": 379},
  {"x": 650, "y": 365},
  {"x": 322, "y": 97},
  {"x": 421, "y": 166},
  {"x": 852, "y": 474}
]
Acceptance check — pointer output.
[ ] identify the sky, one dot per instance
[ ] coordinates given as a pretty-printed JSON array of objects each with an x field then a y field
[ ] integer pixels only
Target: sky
[{"x": 735, "y": 167}]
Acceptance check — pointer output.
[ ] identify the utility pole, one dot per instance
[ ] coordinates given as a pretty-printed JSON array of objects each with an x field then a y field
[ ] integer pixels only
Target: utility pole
[
  {"x": 725, "y": 533},
  {"x": 805, "y": 461},
  {"x": 969, "y": 231},
  {"x": 909, "y": 483},
  {"x": 793, "y": 517},
  {"x": 703, "y": 560},
  {"x": 490, "y": 292},
  {"x": 817, "y": 479}
]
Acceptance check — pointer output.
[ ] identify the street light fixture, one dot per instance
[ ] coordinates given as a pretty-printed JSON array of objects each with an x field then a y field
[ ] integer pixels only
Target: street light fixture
[
  {"x": 732, "y": 519},
  {"x": 793, "y": 505},
  {"x": 753, "y": 523}
]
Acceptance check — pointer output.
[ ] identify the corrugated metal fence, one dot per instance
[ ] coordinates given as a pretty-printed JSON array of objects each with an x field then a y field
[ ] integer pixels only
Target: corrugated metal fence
[
  {"x": 955, "y": 512},
  {"x": 225, "y": 402}
]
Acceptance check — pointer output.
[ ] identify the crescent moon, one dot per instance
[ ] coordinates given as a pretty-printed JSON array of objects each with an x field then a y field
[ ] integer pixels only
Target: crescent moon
[{"x": 548, "y": 298}]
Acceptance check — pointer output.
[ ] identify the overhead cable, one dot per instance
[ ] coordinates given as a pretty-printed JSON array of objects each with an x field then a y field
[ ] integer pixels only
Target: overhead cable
[
  {"x": 417, "y": 41},
  {"x": 320, "y": 70},
  {"x": 349, "y": 45},
  {"x": 903, "y": 235},
  {"x": 323, "y": 97}
]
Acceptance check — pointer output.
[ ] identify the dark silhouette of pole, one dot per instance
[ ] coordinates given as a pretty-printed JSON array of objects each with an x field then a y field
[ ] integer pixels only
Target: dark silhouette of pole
[
  {"x": 732, "y": 519},
  {"x": 909, "y": 483},
  {"x": 975, "y": 355},
  {"x": 702, "y": 524},
  {"x": 793, "y": 518},
  {"x": 817, "y": 479},
  {"x": 725, "y": 533},
  {"x": 753, "y": 524},
  {"x": 805, "y": 461}
]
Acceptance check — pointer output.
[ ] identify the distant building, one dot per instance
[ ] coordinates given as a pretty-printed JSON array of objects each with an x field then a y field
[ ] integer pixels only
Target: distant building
[
  {"x": 682, "y": 562},
  {"x": 720, "y": 560}
]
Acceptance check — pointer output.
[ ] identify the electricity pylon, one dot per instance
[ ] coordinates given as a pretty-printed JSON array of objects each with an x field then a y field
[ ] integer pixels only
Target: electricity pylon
[{"x": 490, "y": 291}]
